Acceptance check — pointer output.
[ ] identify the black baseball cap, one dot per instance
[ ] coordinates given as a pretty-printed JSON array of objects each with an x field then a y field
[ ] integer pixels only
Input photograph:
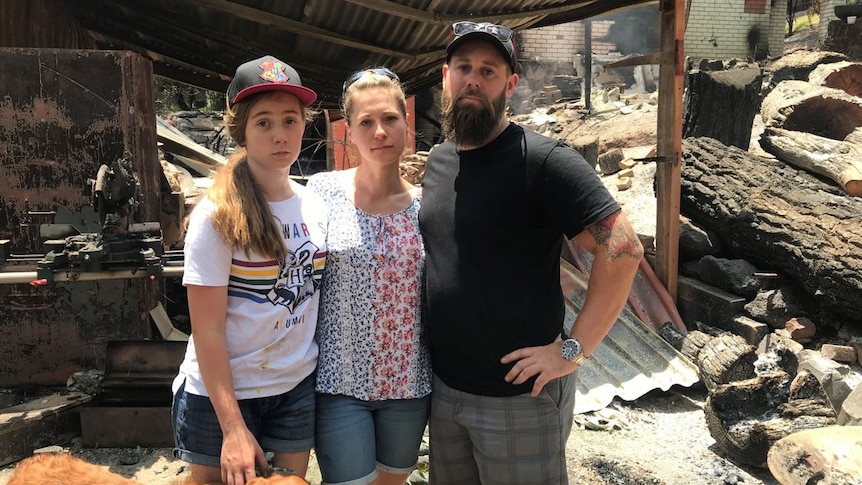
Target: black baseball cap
[
  {"x": 267, "y": 74},
  {"x": 498, "y": 35}
]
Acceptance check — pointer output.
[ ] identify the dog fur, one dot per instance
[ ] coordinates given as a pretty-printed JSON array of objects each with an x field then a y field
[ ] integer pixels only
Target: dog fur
[{"x": 65, "y": 469}]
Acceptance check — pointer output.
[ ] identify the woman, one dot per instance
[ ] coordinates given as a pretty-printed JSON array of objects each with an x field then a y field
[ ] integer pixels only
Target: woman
[
  {"x": 374, "y": 376},
  {"x": 254, "y": 254}
]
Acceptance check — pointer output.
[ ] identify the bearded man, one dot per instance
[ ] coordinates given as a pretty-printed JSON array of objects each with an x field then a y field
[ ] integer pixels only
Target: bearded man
[{"x": 497, "y": 202}]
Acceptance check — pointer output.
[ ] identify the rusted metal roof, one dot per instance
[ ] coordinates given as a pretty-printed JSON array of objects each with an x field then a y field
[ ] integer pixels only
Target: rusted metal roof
[
  {"x": 632, "y": 359},
  {"x": 201, "y": 42}
]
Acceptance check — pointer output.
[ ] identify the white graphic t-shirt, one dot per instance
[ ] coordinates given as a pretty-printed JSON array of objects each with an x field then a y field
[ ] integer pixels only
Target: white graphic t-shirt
[{"x": 271, "y": 308}]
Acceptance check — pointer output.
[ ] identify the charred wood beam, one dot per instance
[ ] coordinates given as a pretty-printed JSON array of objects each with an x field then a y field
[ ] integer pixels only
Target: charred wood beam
[
  {"x": 167, "y": 26},
  {"x": 780, "y": 218},
  {"x": 403, "y": 11},
  {"x": 320, "y": 78},
  {"x": 837, "y": 160},
  {"x": 155, "y": 44},
  {"x": 654, "y": 58},
  {"x": 159, "y": 41}
]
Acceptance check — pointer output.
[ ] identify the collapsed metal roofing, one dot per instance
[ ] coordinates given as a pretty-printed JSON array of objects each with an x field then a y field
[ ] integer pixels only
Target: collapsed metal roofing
[{"x": 200, "y": 42}]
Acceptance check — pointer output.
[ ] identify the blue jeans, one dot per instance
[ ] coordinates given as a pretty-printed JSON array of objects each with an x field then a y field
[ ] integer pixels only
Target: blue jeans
[
  {"x": 283, "y": 423},
  {"x": 353, "y": 437}
]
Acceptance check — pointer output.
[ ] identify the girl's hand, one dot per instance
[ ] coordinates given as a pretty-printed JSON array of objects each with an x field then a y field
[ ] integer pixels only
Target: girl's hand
[{"x": 240, "y": 452}]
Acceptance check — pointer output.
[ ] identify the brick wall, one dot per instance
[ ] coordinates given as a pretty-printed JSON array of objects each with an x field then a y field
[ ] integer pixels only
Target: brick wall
[
  {"x": 777, "y": 25},
  {"x": 721, "y": 29},
  {"x": 561, "y": 43},
  {"x": 715, "y": 29}
]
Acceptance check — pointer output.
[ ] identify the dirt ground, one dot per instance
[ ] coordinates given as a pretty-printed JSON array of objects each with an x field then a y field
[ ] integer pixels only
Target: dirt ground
[
  {"x": 659, "y": 439},
  {"x": 662, "y": 440}
]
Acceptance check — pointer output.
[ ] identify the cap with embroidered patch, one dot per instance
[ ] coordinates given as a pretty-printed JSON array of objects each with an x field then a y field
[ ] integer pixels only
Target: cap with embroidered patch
[{"x": 267, "y": 74}]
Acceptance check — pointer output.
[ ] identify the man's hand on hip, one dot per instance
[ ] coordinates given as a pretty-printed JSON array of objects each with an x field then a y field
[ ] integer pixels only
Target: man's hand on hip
[{"x": 546, "y": 362}]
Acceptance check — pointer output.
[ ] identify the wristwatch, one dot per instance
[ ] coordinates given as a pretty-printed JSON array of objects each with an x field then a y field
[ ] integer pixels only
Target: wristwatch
[{"x": 572, "y": 351}]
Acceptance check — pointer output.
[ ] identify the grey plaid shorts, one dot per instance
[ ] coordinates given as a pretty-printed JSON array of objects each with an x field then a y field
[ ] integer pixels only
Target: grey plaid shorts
[{"x": 518, "y": 440}]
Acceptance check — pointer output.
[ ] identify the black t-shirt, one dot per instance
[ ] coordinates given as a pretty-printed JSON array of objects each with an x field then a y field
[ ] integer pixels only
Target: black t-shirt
[{"x": 492, "y": 220}]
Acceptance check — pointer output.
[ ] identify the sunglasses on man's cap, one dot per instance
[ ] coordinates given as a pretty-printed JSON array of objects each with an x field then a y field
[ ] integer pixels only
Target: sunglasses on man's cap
[
  {"x": 498, "y": 31},
  {"x": 503, "y": 37}
]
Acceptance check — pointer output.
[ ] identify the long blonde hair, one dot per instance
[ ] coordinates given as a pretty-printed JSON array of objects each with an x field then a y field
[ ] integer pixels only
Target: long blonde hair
[{"x": 242, "y": 216}]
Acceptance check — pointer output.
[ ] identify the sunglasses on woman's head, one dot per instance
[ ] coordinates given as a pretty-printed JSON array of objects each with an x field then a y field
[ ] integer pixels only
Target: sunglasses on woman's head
[
  {"x": 375, "y": 70},
  {"x": 498, "y": 31}
]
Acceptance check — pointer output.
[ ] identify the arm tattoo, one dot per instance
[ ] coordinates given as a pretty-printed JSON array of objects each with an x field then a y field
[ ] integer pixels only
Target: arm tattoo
[{"x": 616, "y": 235}]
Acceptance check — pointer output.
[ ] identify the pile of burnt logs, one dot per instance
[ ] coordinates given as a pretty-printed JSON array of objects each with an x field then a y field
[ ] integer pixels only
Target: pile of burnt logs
[
  {"x": 756, "y": 396},
  {"x": 781, "y": 218},
  {"x": 797, "y": 213},
  {"x": 793, "y": 211},
  {"x": 812, "y": 112}
]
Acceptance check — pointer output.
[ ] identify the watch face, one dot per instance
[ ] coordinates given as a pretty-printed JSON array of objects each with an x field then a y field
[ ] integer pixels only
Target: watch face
[{"x": 571, "y": 348}]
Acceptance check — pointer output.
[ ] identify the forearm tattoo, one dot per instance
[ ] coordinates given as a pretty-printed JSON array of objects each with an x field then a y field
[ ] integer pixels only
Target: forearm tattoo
[{"x": 615, "y": 233}]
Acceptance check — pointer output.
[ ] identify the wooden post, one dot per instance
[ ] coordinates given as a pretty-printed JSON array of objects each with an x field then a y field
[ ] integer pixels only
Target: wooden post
[
  {"x": 588, "y": 64},
  {"x": 669, "y": 143},
  {"x": 330, "y": 143}
]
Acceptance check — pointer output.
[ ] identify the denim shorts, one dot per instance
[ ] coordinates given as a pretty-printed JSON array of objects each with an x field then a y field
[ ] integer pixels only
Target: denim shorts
[
  {"x": 282, "y": 423},
  {"x": 353, "y": 437}
]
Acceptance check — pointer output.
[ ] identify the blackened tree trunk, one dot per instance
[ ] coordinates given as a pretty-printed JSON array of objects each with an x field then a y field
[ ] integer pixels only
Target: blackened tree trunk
[
  {"x": 722, "y": 105},
  {"x": 780, "y": 217}
]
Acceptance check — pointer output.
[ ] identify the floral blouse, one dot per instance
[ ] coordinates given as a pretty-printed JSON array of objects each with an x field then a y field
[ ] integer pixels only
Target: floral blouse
[{"x": 372, "y": 343}]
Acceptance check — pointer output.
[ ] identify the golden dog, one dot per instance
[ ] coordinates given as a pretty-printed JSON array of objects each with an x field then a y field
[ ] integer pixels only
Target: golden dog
[{"x": 65, "y": 469}]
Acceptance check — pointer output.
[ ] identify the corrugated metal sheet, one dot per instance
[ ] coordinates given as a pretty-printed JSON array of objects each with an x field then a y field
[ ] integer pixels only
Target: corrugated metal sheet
[
  {"x": 202, "y": 41},
  {"x": 631, "y": 361}
]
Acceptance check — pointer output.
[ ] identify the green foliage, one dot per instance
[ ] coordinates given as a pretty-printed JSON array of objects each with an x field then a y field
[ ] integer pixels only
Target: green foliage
[
  {"x": 801, "y": 14},
  {"x": 806, "y": 22}
]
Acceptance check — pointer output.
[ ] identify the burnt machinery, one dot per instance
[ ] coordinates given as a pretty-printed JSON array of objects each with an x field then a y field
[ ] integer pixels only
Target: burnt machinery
[
  {"x": 131, "y": 405},
  {"x": 120, "y": 245}
]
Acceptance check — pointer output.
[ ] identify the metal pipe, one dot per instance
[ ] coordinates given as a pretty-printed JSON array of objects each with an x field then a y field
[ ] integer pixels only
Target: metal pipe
[{"x": 67, "y": 276}]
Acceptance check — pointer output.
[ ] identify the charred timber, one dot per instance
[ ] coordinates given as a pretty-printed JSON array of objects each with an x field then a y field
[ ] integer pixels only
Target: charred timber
[
  {"x": 747, "y": 417},
  {"x": 821, "y": 110},
  {"x": 726, "y": 358},
  {"x": 722, "y": 105},
  {"x": 778, "y": 217},
  {"x": 837, "y": 160},
  {"x": 846, "y": 76}
]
